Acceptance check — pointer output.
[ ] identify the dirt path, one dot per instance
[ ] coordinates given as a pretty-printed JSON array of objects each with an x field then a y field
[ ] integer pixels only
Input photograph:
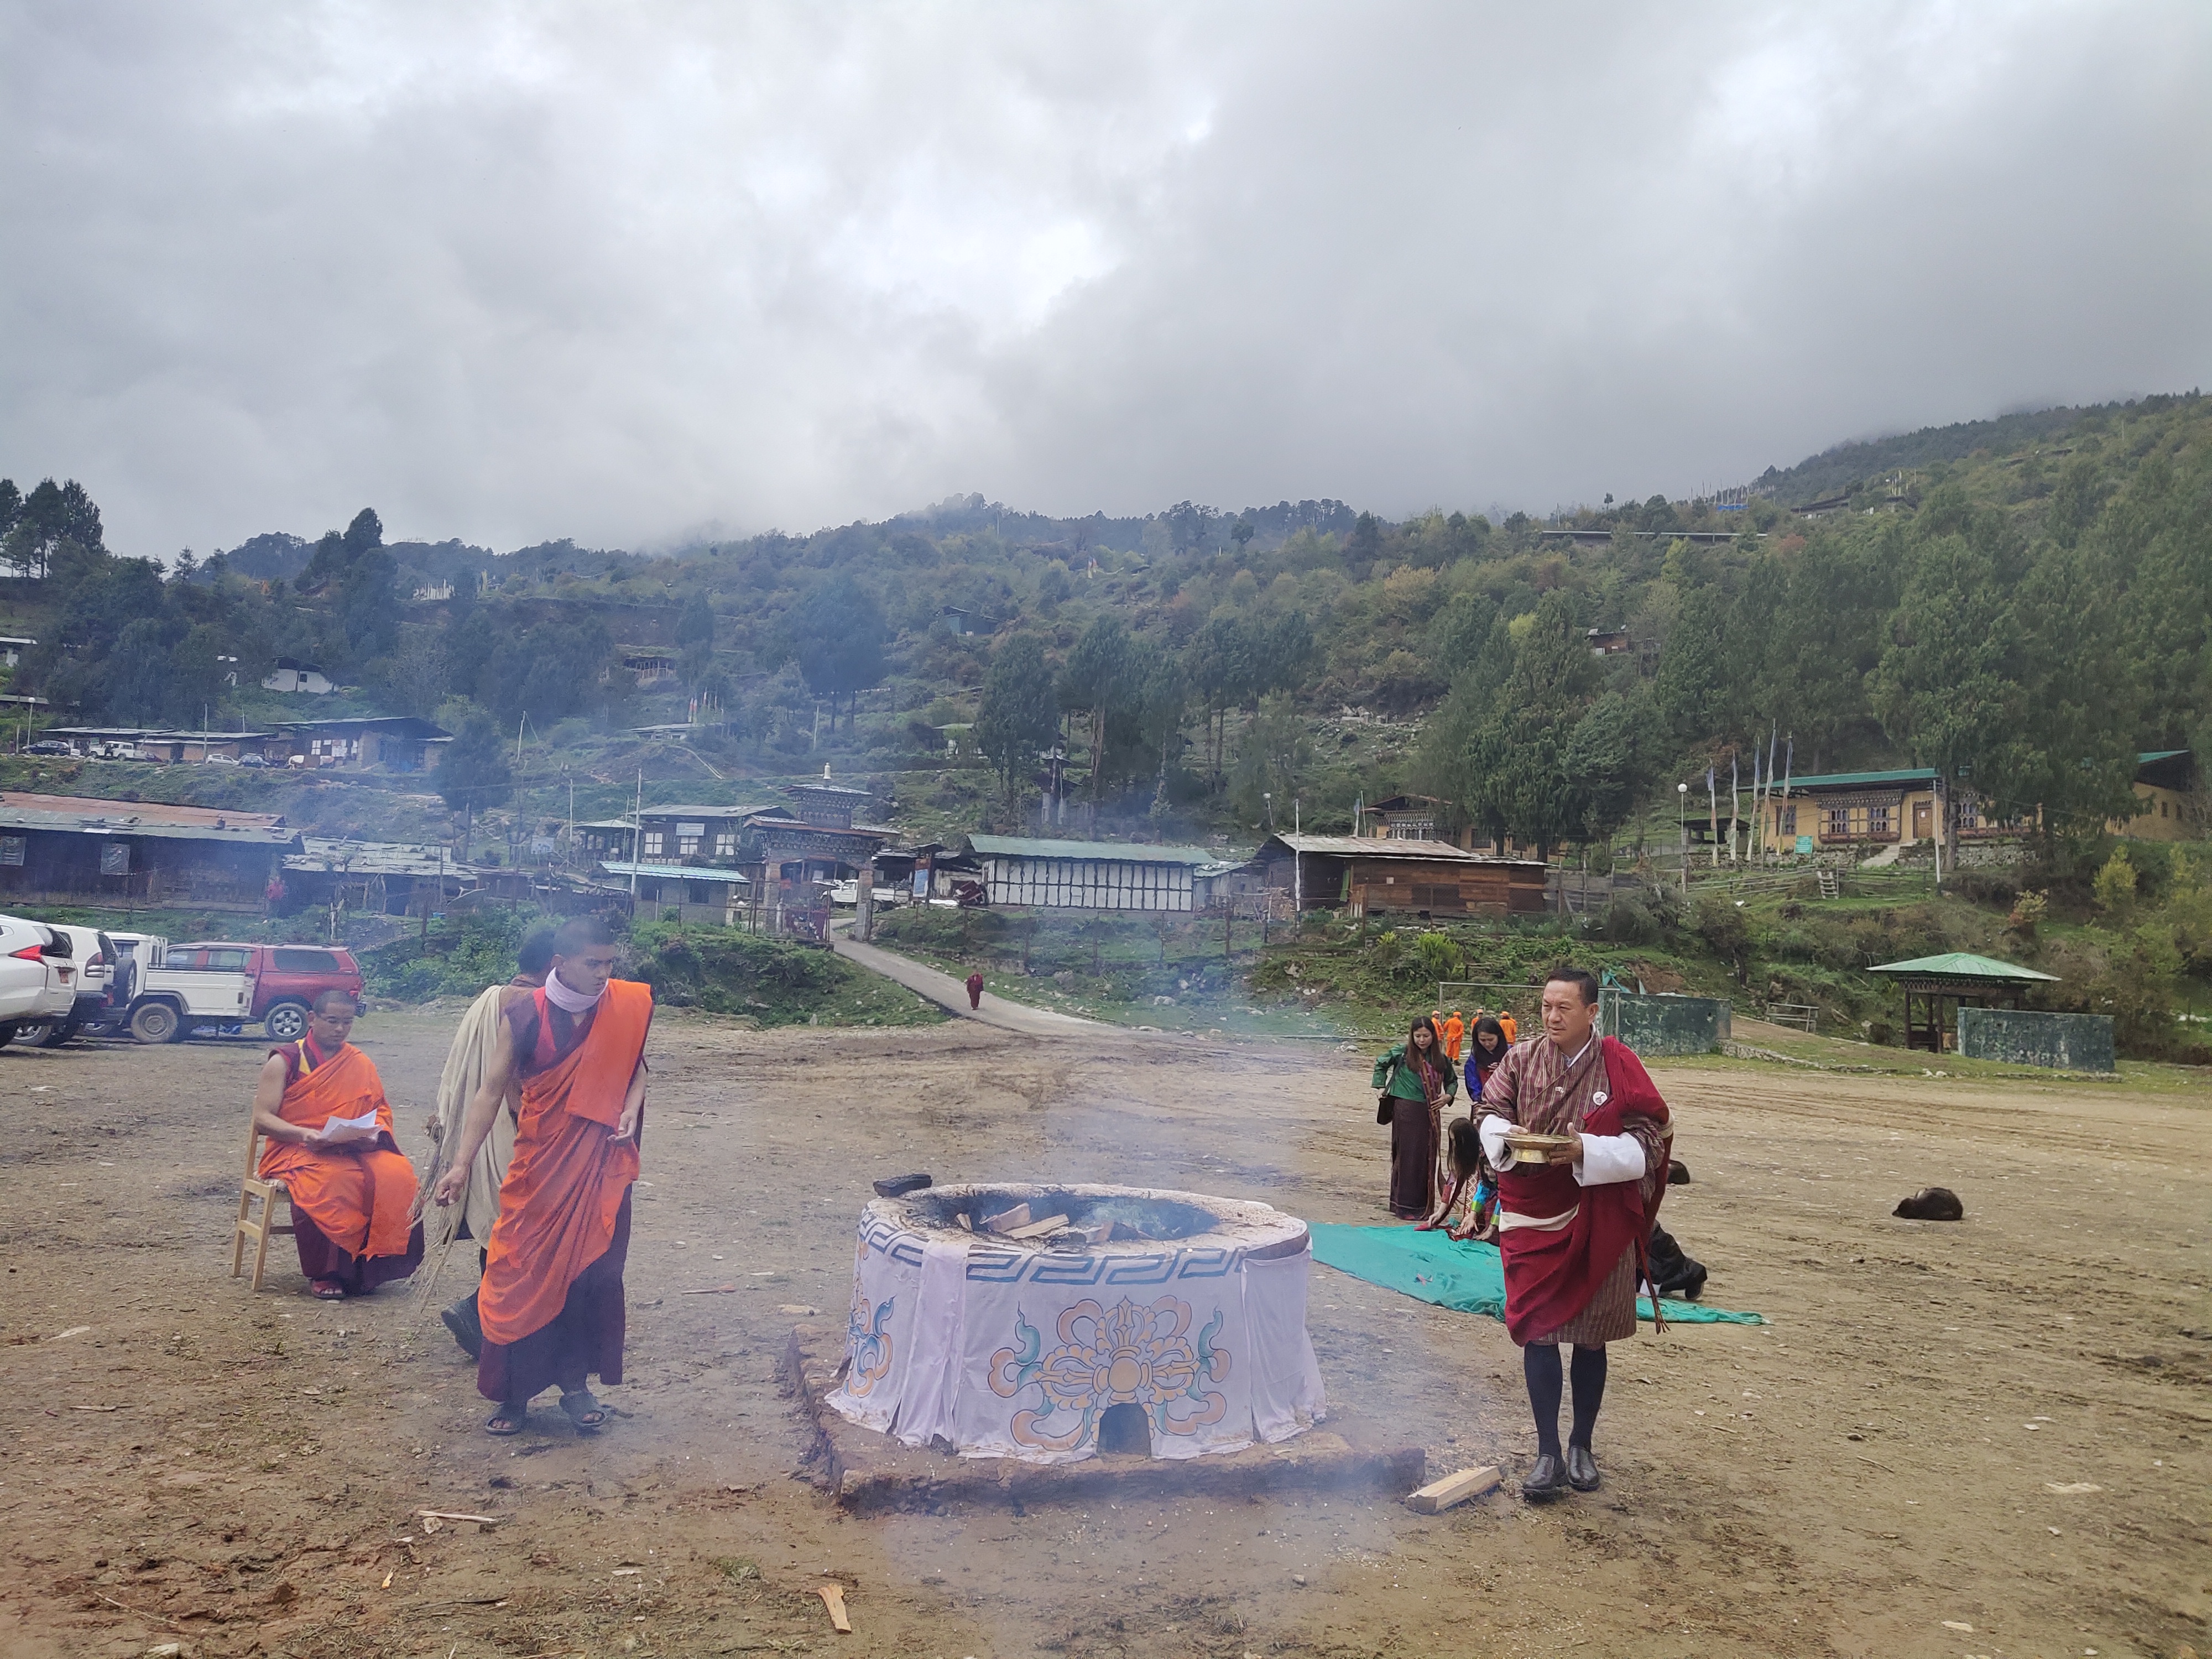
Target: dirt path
[
  {"x": 949, "y": 994},
  {"x": 1878, "y": 1460}
]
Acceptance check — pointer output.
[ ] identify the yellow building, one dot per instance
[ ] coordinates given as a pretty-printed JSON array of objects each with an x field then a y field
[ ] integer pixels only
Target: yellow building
[
  {"x": 2166, "y": 798},
  {"x": 1851, "y": 809}
]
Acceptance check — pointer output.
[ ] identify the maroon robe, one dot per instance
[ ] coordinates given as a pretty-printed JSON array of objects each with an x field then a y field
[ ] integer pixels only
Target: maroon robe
[{"x": 586, "y": 1337}]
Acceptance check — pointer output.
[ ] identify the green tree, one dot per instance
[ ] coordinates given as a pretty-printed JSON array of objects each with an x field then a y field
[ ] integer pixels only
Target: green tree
[
  {"x": 473, "y": 772},
  {"x": 1094, "y": 679},
  {"x": 838, "y": 633},
  {"x": 1273, "y": 752},
  {"x": 1019, "y": 714}
]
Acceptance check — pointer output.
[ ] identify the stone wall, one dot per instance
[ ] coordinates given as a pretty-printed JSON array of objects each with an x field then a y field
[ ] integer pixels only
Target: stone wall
[
  {"x": 2018, "y": 1036},
  {"x": 1655, "y": 1026}
]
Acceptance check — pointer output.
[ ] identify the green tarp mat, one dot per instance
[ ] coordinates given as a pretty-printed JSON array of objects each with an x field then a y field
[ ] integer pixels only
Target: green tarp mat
[{"x": 1466, "y": 1275}]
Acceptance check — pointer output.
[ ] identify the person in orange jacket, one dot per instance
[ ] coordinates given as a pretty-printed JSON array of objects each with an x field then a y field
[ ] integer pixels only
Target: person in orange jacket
[{"x": 1455, "y": 1034}]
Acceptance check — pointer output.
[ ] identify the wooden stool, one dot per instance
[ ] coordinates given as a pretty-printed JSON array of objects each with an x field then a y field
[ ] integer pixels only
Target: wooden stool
[{"x": 257, "y": 1228}]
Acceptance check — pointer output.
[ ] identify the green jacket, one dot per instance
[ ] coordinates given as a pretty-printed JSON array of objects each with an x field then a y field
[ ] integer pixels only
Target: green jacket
[{"x": 1394, "y": 1076}]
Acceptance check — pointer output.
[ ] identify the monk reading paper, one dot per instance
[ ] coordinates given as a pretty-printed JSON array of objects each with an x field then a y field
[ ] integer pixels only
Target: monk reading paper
[
  {"x": 1574, "y": 1225},
  {"x": 321, "y": 1107},
  {"x": 551, "y": 1300}
]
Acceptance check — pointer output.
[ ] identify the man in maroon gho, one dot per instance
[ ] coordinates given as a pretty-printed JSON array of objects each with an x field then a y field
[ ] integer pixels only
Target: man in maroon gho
[
  {"x": 976, "y": 989},
  {"x": 1574, "y": 1230}
]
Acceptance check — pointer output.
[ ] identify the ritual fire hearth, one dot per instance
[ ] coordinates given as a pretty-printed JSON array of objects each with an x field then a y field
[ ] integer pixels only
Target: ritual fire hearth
[{"x": 1051, "y": 1323}]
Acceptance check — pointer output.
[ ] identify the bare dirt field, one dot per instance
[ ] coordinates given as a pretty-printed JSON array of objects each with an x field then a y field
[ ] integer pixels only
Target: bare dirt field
[{"x": 1989, "y": 1437}]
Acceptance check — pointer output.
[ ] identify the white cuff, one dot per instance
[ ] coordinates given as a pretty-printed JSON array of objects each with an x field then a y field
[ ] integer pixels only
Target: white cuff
[
  {"x": 1492, "y": 1130},
  {"x": 1609, "y": 1159}
]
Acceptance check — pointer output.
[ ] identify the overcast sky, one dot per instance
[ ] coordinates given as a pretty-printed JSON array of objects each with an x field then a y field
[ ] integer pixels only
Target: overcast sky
[{"x": 625, "y": 272}]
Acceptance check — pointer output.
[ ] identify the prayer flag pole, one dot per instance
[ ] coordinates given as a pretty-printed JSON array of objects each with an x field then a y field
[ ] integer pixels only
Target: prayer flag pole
[
  {"x": 1713, "y": 815},
  {"x": 1736, "y": 806}
]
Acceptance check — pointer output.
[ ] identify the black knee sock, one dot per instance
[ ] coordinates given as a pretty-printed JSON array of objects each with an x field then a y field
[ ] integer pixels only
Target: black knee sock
[
  {"x": 1541, "y": 1366},
  {"x": 1588, "y": 1369}
]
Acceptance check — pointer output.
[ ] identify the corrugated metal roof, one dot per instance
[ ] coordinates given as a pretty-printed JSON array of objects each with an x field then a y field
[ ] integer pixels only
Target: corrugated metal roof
[
  {"x": 673, "y": 872},
  {"x": 1387, "y": 847},
  {"x": 1961, "y": 964},
  {"x": 698, "y": 812},
  {"x": 375, "y": 858},
  {"x": 1120, "y": 852},
  {"x": 1854, "y": 779},
  {"x": 78, "y": 814},
  {"x": 2151, "y": 755}
]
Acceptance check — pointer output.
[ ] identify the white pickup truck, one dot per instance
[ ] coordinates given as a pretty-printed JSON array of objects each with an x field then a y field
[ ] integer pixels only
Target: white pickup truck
[{"x": 159, "y": 1004}]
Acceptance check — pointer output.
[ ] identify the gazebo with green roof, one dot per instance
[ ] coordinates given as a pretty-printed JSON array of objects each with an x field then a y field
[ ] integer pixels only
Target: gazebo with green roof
[{"x": 1940, "y": 985}]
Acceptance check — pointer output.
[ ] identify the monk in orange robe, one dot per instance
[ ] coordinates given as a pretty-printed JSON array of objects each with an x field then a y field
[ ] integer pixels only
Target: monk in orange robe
[
  {"x": 551, "y": 1299},
  {"x": 352, "y": 1191}
]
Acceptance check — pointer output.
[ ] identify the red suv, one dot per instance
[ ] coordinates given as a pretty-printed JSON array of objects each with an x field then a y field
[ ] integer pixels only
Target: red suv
[{"x": 287, "y": 978}]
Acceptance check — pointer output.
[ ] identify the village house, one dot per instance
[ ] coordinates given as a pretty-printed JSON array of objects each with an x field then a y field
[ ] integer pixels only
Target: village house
[
  {"x": 1092, "y": 875},
  {"x": 72, "y": 849},
  {"x": 1375, "y": 875},
  {"x": 2168, "y": 801},
  {"x": 399, "y": 878},
  {"x": 398, "y": 742},
  {"x": 1846, "y": 809},
  {"x": 290, "y": 675}
]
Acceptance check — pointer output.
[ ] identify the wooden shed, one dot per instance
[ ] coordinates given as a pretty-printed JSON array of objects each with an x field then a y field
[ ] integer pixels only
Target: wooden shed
[{"x": 1366, "y": 875}]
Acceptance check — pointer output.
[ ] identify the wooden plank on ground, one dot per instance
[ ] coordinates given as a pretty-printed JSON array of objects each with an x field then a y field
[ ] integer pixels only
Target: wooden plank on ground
[
  {"x": 833, "y": 1597},
  {"x": 1051, "y": 1223},
  {"x": 1440, "y": 1495}
]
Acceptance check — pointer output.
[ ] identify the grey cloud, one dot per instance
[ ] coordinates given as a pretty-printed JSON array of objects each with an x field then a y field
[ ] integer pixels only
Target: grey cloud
[{"x": 517, "y": 272}]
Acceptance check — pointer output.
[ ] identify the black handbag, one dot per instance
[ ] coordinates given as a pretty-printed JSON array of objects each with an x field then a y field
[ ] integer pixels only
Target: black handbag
[{"x": 1385, "y": 1107}]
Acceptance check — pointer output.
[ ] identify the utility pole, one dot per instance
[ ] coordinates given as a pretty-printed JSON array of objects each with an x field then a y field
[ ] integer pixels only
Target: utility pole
[
  {"x": 1298, "y": 865},
  {"x": 636, "y": 837},
  {"x": 1682, "y": 827}
]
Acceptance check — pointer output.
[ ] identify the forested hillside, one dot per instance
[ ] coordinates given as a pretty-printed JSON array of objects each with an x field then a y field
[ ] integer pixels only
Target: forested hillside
[{"x": 2029, "y": 616}]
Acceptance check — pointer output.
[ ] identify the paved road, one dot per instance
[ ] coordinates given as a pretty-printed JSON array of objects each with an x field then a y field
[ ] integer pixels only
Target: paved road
[{"x": 950, "y": 994}]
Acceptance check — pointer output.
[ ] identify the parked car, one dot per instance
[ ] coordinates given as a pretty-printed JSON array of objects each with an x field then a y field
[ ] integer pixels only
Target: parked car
[
  {"x": 253, "y": 760},
  {"x": 93, "y": 956},
  {"x": 286, "y": 978},
  {"x": 48, "y": 746},
  {"x": 38, "y": 979},
  {"x": 157, "y": 1002}
]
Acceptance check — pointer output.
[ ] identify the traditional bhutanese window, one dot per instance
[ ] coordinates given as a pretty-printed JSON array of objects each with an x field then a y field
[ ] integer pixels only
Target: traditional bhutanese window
[
  {"x": 655, "y": 844},
  {"x": 725, "y": 843},
  {"x": 1835, "y": 822},
  {"x": 1877, "y": 820}
]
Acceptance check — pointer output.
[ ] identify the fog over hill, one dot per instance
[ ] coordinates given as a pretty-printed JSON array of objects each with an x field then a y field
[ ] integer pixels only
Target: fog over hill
[{"x": 663, "y": 273}]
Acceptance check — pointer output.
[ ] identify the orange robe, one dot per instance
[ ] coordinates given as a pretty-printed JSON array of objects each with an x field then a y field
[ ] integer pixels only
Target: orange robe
[
  {"x": 565, "y": 1187},
  {"x": 362, "y": 1200},
  {"x": 1455, "y": 1034}
]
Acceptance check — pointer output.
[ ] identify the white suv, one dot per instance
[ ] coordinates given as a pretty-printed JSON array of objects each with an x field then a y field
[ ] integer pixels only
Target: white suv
[
  {"x": 93, "y": 956},
  {"x": 38, "y": 976}
]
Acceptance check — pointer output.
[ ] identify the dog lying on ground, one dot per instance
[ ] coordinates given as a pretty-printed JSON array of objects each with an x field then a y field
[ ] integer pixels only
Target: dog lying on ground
[
  {"x": 1674, "y": 1273},
  {"x": 1931, "y": 1204}
]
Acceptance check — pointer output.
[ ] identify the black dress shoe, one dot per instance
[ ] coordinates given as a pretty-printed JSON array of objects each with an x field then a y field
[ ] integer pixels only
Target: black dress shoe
[
  {"x": 1581, "y": 1468},
  {"x": 1547, "y": 1480}
]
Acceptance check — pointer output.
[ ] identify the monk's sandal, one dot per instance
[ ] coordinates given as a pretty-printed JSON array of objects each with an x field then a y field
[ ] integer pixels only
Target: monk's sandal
[
  {"x": 509, "y": 1418},
  {"x": 584, "y": 1411}
]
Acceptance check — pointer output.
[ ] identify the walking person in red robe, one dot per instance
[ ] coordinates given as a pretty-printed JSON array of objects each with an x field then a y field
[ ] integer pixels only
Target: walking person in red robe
[
  {"x": 352, "y": 1190},
  {"x": 551, "y": 1299},
  {"x": 974, "y": 982},
  {"x": 1573, "y": 1230}
]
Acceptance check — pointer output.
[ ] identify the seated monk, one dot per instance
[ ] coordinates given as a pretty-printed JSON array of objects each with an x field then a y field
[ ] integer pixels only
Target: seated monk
[{"x": 352, "y": 1190}]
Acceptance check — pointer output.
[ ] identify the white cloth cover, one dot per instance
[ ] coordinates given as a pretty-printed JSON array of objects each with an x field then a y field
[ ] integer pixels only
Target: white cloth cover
[
  {"x": 1012, "y": 1353},
  {"x": 879, "y": 1329},
  {"x": 476, "y": 1044},
  {"x": 1287, "y": 1398}
]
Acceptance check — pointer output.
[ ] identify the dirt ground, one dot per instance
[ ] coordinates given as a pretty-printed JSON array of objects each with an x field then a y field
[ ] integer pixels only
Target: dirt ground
[{"x": 1988, "y": 1437}]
